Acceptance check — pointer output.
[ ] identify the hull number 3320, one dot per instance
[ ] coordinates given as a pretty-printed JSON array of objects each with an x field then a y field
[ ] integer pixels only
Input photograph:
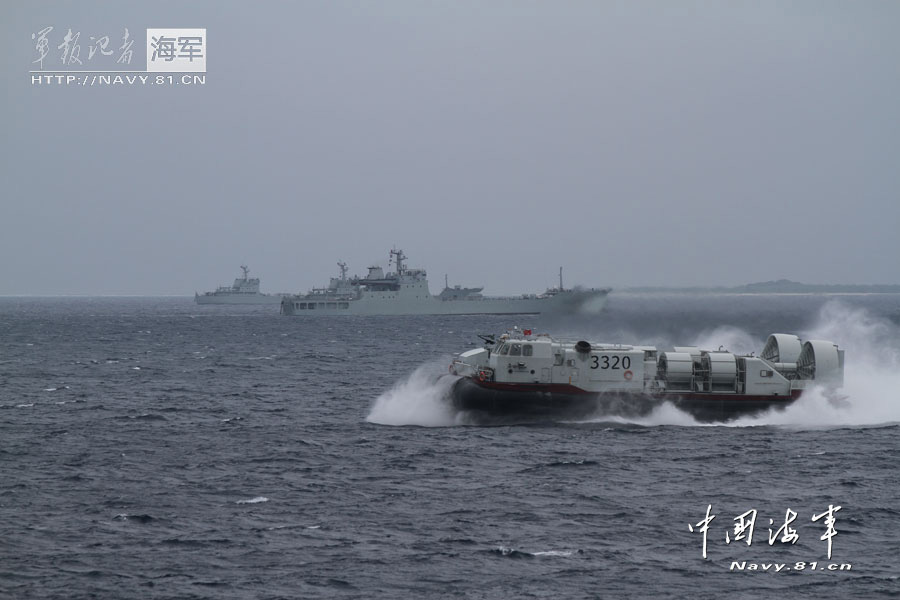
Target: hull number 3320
[{"x": 610, "y": 361}]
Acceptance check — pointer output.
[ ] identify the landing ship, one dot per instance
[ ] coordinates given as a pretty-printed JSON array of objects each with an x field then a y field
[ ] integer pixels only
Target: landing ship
[{"x": 405, "y": 292}]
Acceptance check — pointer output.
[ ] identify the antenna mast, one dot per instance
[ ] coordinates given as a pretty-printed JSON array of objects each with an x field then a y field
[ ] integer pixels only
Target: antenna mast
[{"x": 400, "y": 258}]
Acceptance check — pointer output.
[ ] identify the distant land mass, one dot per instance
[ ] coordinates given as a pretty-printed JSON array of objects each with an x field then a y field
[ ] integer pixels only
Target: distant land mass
[{"x": 782, "y": 286}]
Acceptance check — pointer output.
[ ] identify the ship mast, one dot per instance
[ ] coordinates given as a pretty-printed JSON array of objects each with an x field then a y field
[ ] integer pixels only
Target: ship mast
[
  {"x": 400, "y": 258},
  {"x": 246, "y": 270},
  {"x": 343, "y": 267},
  {"x": 560, "y": 279}
]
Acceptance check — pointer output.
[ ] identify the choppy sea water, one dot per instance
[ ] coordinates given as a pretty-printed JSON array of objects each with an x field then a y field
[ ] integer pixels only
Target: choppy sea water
[{"x": 152, "y": 448}]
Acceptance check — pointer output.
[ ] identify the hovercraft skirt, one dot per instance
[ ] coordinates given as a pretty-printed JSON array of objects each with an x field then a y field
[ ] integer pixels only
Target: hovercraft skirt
[{"x": 529, "y": 402}]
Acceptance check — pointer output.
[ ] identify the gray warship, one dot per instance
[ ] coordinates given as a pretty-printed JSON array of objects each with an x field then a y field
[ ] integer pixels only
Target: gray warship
[
  {"x": 243, "y": 291},
  {"x": 405, "y": 291}
]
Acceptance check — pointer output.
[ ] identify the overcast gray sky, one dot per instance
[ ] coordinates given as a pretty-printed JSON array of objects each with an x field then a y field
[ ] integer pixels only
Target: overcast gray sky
[{"x": 633, "y": 143}]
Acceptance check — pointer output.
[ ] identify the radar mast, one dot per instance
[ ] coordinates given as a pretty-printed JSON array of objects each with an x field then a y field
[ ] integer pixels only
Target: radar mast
[{"x": 400, "y": 257}]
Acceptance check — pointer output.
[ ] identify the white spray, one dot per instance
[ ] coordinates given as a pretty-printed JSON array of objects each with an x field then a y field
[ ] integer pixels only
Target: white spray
[
  {"x": 421, "y": 399},
  {"x": 871, "y": 392}
]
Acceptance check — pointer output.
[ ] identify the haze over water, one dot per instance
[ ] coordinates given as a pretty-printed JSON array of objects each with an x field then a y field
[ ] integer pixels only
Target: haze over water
[{"x": 154, "y": 448}]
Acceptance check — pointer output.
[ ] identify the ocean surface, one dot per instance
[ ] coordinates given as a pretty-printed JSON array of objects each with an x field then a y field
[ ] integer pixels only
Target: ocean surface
[{"x": 153, "y": 448}]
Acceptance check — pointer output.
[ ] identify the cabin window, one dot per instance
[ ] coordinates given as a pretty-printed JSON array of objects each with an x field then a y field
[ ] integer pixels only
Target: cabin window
[
  {"x": 527, "y": 350},
  {"x": 557, "y": 360},
  {"x": 311, "y": 305},
  {"x": 504, "y": 350},
  {"x": 345, "y": 305},
  {"x": 515, "y": 350}
]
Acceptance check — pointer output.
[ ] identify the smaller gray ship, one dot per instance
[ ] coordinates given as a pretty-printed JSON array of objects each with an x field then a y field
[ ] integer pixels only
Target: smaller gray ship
[{"x": 243, "y": 291}]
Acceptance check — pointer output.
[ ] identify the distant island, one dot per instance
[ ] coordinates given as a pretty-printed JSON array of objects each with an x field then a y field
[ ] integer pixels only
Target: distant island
[{"x": 782, "y": 286}]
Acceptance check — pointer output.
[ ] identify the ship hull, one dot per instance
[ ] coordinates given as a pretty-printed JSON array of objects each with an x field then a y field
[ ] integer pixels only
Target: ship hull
[
  {"x": 237, "y": 299},
  {"x": 491, "y": 402},
  {"x": 386, "y": 304}
]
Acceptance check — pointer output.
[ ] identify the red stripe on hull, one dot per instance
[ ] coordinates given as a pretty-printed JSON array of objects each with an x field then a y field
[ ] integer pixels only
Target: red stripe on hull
[{"x": 553, "y": 388}]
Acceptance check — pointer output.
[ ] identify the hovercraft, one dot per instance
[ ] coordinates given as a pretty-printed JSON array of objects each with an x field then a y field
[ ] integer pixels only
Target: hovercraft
[{"x": 521, "y": 376}]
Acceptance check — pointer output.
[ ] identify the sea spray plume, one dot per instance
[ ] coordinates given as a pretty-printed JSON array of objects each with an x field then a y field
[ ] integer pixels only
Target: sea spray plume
[
  {"x": 857, "y": 329},
  {"x": 665, "y": 414},
  {"x": 871, "y": 391},
  {"x": 733, "y": 339},
  {"x": 421, "y": 399},
  {"x": 592, "y": 306}
]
